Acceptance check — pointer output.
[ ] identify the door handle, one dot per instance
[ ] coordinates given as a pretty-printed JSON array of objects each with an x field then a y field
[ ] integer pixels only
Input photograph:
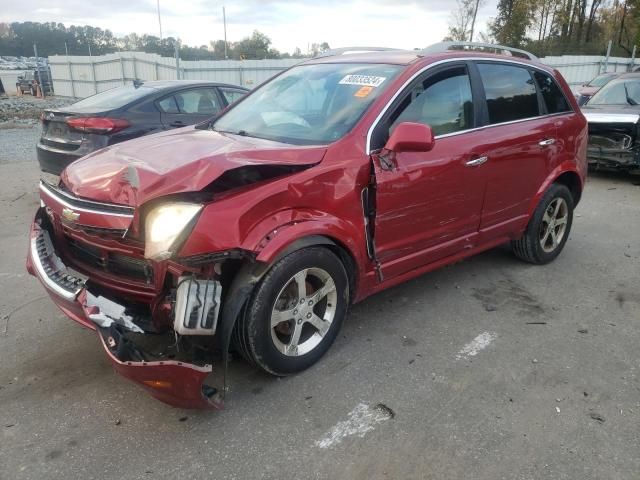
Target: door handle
[
  {"x": 547, "y": 142},
  {"x": 477, "y": 161},
  {"x": 177, "y": 123}
]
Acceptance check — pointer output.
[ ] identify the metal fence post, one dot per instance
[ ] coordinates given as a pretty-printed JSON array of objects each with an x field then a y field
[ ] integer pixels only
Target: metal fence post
[
  {"x": 241, "y": 74},
  {"x": 606, "y": 60},
  {"x": 177, "y": 62},
  {"x": 633, "y": 60},
  {"x": 135, "y": 68},
  {"x": 121, "y": 68},
  {"x": 73, "y": 87}
]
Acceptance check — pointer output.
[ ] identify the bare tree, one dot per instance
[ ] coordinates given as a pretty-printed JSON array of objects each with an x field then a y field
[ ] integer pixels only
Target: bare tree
[
  {"x": 478, "y": 4},
  {"x": 462, "y": 19}
]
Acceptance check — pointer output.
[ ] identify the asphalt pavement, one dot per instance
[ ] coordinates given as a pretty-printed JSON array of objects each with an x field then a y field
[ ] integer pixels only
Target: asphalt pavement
[{"x": 487, "y": 369}]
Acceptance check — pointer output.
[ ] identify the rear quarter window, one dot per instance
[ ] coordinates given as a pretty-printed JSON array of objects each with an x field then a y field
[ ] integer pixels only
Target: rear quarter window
[
  {"x": 554, "y": 99},
  {"x": 510, "y": 92}
]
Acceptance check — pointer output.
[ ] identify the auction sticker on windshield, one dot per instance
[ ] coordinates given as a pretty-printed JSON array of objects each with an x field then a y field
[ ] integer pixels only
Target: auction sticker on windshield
[{"x": 362, "y": 80}]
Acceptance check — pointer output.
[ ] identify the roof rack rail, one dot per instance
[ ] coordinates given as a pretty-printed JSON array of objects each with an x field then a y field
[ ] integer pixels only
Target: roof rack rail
[
  {"x": 444, "y": 46},
  {"x": 354, "y": 50}
]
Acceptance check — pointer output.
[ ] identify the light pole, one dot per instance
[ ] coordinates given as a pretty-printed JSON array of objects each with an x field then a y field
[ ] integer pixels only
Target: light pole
[
  {"x": 159, "y": 20},
  {"x": 224, "y": 21}
]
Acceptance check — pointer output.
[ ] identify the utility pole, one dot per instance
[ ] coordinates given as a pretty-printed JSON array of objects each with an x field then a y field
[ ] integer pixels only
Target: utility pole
[
  {"x": 473, "y": 22},
  {"x": 159, "y": 20},
  {"x": 224, "y": 21}
]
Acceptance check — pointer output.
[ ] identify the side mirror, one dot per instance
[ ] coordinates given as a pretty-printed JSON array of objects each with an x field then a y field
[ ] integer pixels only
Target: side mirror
[{"x": 410, "y": 137}]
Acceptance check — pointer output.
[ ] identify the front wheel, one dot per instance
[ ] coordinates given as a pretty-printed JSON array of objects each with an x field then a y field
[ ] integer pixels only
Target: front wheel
[
  {"x": 295, "y": 312},
  {"x": 548, "y": 229}
]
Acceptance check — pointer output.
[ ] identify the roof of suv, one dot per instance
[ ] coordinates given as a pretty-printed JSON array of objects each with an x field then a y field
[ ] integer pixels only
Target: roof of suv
[{"x": 406, "y": 57}]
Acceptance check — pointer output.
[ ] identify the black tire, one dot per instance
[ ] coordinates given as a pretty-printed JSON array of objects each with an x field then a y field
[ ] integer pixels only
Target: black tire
[
  {"x": 529, "y": 247},
  {"x": 253, "y": 334}
]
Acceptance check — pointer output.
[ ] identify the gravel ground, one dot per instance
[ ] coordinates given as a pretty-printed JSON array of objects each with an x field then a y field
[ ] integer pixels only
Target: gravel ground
[
  {"x": 26, "y": 110},
  {"x": 488, "y": 369}
]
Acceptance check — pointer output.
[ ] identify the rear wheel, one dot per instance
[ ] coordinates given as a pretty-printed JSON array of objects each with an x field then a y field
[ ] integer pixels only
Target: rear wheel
[
  {"x": 295, "y": 313},
  {"x": 548, "y": 229}
]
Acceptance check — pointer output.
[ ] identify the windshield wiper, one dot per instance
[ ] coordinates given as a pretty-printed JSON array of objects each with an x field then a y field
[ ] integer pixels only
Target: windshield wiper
[
  {"x": 242, "y": 133},
  {"x": 630, "y": 100}
]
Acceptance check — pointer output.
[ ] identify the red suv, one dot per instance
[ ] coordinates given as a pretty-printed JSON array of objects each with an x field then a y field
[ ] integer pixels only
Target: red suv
[{"x": 338, "y": 178}]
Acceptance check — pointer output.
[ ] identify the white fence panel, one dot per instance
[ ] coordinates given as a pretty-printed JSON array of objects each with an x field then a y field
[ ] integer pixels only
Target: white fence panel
[
  {"x": 77, "y": 76},
  {"x": 579, "y": 69}
]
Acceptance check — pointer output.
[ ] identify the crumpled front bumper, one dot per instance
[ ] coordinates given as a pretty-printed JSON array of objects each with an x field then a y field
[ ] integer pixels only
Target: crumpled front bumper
[{"x": 174, "y": 382}]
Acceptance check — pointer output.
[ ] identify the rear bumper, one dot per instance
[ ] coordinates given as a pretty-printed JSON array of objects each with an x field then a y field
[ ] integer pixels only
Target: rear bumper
[
  {"x": 177, "y": 383},
  {"x": 54, "y": 161}
]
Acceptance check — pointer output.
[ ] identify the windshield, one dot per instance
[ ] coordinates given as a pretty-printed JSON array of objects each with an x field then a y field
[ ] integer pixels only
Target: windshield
[
  {"x": 309, "y": 104},
  {"x": 618, "y": 92},
  {"x": 114, "y": 98},
  {"x": 601, "y": 80}
]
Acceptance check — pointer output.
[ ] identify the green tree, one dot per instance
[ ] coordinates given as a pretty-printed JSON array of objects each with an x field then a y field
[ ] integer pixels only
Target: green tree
[{"x": 511, "y": 24}]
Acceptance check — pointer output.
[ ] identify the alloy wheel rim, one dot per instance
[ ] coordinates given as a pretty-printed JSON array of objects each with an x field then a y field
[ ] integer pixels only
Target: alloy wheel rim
[
  {"x": 554, "y": 224},
  {"x": 303, "y": 312}
]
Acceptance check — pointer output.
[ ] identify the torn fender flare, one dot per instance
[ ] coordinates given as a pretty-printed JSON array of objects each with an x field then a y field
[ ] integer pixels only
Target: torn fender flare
[{"x": 175, "y": 383}]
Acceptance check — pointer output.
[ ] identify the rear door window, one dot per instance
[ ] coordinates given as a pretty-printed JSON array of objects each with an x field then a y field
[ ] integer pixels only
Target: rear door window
[
  {"x": 510, "y": 92},
  {"x": 201, "y": 101},
  {"x": 554, "y": 99}
]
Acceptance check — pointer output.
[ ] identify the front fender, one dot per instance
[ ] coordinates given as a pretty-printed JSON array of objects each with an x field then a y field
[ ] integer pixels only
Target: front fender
[{"x": 276, "y": 242}]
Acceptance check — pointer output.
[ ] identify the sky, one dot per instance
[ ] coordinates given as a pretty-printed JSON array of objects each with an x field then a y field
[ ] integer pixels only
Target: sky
[{"x": 289, "y": 24}]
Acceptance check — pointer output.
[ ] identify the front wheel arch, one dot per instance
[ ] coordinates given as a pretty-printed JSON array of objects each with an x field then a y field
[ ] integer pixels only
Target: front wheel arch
[{"x": 251, "y": 272}]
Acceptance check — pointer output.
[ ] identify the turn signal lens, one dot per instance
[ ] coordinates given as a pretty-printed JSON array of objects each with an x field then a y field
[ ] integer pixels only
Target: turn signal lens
[{"x": 158, "y": 383}]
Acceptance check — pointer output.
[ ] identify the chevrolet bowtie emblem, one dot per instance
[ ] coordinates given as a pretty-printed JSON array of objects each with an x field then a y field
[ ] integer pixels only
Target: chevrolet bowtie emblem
[{"x": 70, "y": 215}]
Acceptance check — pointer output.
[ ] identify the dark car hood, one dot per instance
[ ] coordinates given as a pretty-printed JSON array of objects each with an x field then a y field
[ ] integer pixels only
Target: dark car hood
[
  {"x": 611, "y": 113},
  {"x": 184, "y": 160}
]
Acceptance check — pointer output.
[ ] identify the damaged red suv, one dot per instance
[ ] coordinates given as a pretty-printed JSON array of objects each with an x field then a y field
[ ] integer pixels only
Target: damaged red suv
[{"x": 338, "y": 178}]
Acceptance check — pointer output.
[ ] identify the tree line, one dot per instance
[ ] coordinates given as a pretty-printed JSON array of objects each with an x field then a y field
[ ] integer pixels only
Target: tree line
[
  {"x": 555, "y": 27},
  {"x": 17, "y": 39}
]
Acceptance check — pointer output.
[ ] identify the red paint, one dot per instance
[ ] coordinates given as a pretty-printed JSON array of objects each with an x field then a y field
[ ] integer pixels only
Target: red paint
[
  {"x": 432, "y": 209},
  {"x": 175, "y": 383}
]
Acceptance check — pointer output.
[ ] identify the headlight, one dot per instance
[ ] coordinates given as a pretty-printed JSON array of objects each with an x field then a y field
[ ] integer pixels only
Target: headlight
[{"x": 163, "y": 226}]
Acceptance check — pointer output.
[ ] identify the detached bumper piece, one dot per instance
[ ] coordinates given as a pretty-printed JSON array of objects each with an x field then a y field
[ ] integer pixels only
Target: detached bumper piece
[
  {"x": 151, "y": 359},
  {"x": 173, "y": 382}
]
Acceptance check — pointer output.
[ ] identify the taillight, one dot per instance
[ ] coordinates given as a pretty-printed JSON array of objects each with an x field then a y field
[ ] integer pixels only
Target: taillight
[{"x": 97, "y": 124}]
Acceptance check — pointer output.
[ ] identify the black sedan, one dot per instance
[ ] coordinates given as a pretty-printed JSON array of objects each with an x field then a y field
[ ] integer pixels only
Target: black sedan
[{"x": 127, "y": 112}]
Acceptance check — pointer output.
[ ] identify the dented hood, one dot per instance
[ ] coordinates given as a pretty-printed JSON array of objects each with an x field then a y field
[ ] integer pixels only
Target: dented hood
[{"x": 184, "y": 160}]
